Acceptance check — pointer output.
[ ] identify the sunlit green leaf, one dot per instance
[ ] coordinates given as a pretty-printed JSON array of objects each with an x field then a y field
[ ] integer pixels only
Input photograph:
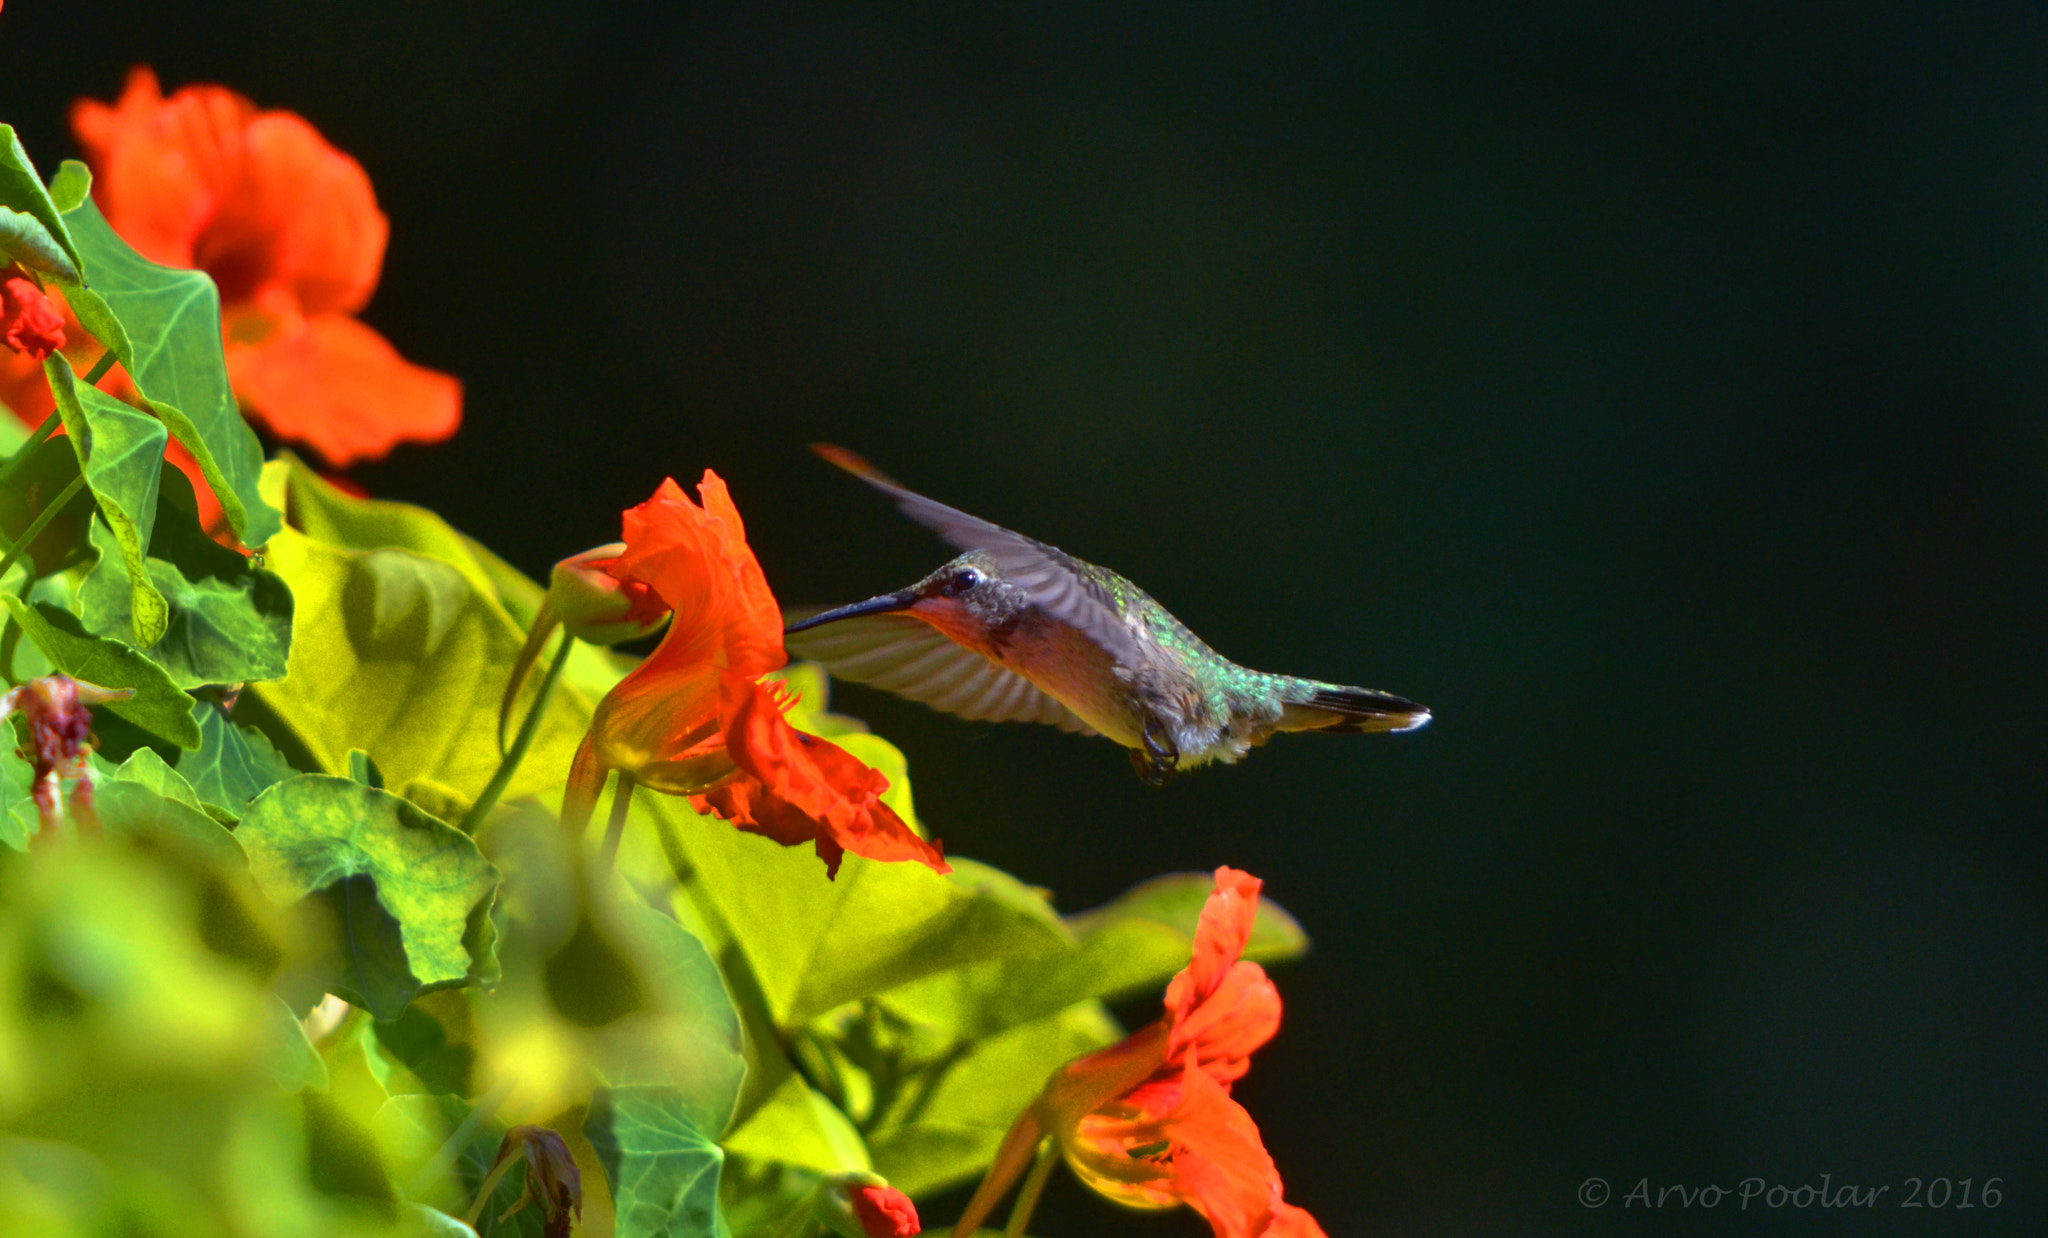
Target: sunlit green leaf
[
  {"x": 412, "y": 894},
  {"x": 21, "y": 189},
  {"x": 663, "y": 1171},
  {"x": 402, "y": 656},
  {"x": 697, "y": 1051},
  {"x": 122, "y": 453},
  {"x": 228, "y": 621},
  {"x": 231, "y": 765},
  {"x": 170, "y": 344},
  {"x": 157, "y": 706}
]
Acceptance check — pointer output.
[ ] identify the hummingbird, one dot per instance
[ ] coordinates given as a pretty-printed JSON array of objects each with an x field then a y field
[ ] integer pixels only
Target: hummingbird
[{"x": 1014, "y": 630}]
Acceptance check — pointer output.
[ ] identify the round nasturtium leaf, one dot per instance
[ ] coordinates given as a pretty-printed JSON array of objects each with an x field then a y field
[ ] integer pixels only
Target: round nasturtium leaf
[{"x": 411, "y": 895}]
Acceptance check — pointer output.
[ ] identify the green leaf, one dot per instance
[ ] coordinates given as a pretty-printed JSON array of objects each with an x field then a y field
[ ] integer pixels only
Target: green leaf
[
  {"x": 697, "y": 1050},
  {"x": 228, "y": 621},
  {"x": 878, "y": 926},
  {"x": 294, "y": 1062},
  {"x": 157, "y": 706},
  {"x": 19, "y": 819},
  {"x": 663, "y": 1171},
  {"x": 146, "y": 799},
  {"x": 1174, "y": 902},
  {"x": 402, "y": 656},
  {"x": 122, "y": 453},
  {"x": 418, "y": 1041},
  {"x": 412, "y": 894},
  {"x": 22, "y": 191},
  {"x": 413, "y": 1127},
  {"x": 944, "y": 1130},
  {"x": 49, "y": 470},
  {"x": 327, "y": 514},
  {"x": 25, "y": 240},
  {"x": 232, "y": 764},
  {"x": 170, "y": 343}
]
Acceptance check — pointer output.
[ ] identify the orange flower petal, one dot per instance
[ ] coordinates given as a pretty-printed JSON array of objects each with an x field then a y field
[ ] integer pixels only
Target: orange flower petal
[
  {"x": 301, "y": 216},
  {"x": 698, "y": 560},
  {"x": 335, "y": 385},
  {"x": 1220, "y": 935},
  {"x": 161, "y": 165},
  {"x": 796, "y": 787},
  {"x": 1223, "y": 1032}
]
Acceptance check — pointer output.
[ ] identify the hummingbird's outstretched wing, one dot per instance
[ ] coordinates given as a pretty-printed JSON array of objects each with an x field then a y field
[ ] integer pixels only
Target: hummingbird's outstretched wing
[
  {"x": 1058, "y": 582},
  {"x": 913, "y": 659}
]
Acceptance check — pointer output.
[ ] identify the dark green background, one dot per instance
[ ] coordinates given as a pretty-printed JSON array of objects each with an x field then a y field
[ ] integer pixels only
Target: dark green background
[{"x": 1658, "y": 396}]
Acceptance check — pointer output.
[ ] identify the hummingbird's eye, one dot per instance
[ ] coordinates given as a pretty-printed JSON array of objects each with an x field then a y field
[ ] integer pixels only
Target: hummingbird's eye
[{"x": 963, "y": 581}]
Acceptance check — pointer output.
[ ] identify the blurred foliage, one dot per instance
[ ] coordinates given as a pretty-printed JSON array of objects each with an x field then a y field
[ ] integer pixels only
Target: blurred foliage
[{"x": 265, "y": 986}]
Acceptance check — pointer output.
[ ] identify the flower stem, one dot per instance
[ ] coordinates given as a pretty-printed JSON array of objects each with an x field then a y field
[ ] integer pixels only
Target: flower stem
[
  {"x": 458, "y": 1139},
  {"x": 509, "y": 764},
  {"x": 1027, "y": 1195},
  {"x": 42, "y": 522},
  {"x": 622, "y": 796},
  {"x": 35, "y": 440},
  {"x": 99, "y": 368}
]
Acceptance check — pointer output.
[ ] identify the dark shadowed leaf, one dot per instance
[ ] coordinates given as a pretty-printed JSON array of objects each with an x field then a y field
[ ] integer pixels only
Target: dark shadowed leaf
[
  {"x": 663, "y": 1171},
  {"x": 232, "y": 764},
  {"x": 121, "y": 452},
  {"x": 146, "y": 799},
  {"x": 170, "y": 343},
  {"x": 157, "y": 707},
  {"x": 411, "y": 893}
]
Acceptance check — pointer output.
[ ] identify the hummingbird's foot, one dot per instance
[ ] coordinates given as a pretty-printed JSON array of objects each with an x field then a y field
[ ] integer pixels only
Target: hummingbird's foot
[{"x": 1156, "y": 761}]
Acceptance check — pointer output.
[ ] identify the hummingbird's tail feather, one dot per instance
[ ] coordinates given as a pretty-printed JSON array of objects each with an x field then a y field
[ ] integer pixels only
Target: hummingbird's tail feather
[{"x": 1349, "y": 711}]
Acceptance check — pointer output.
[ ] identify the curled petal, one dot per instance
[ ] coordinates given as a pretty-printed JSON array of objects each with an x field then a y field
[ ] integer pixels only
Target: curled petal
[
  {"x": 794, "y": 787},
  {"x": 336, "y": 385},
  {"x": 1220, "y": 936},
  {"x": 1240, "y": 1015},
  {"x": 697, "y": 559}
]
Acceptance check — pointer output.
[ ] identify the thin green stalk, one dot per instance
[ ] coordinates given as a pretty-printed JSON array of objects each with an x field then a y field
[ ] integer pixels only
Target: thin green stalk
[
  {"x": 509, "y": 765},
  {"x": 10, "y": 642},
  {"x": 1027, "y": 1195},
  {"x": 42, "y": 522},
  {"x": 43, "y": 431},
  {"x": 99, "y": 368},
  {"x": 622, "y": 796},
  {"x": 458, "y": 1139}
]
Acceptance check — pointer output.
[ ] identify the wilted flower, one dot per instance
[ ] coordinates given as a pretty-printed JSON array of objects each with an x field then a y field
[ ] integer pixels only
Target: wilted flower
[
  {"x": 692, "y": 719},
  {"x": 60, "y": 727},
  {"x": 1149, "y": 1122},
  {"x": 289, "y": 229},
  {"x": 552, "y": 1179},
  {"x": 28, "y": 322}
]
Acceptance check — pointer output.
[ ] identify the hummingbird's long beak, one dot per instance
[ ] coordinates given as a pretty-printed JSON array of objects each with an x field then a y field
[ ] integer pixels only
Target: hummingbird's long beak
[{"x": 902, "y": 599}]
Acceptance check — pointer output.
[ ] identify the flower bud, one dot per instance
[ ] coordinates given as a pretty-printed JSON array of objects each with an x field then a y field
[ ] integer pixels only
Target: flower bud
[
  {"x": 862, "y": 1205},
  {"x": 597, "y": 607},
  {"x": 60, "y": 727},
  {"x": 28, "y": 322}
]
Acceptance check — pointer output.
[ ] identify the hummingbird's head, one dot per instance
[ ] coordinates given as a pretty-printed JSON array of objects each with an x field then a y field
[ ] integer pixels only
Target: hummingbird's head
[{"x": 968, "y": 599}]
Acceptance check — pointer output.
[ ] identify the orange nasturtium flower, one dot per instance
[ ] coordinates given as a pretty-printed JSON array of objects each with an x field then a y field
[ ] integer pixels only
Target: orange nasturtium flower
[
  {"x": 1149, "y": 1121},
  {"x": 694, "y": 718},
  {"x": 289, "y": 229}
]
